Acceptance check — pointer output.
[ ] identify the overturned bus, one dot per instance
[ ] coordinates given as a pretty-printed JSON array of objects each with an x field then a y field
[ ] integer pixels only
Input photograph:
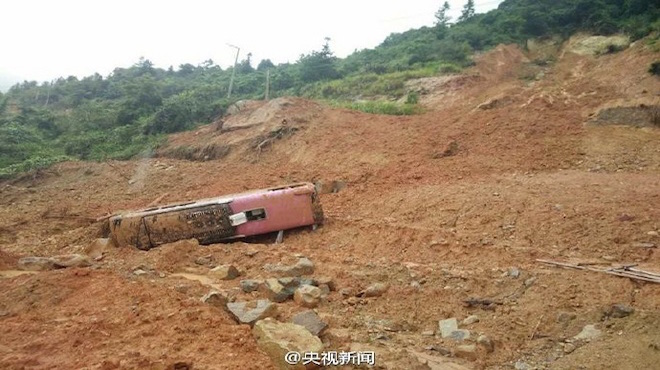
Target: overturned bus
[{"x": 220, "y": 219}]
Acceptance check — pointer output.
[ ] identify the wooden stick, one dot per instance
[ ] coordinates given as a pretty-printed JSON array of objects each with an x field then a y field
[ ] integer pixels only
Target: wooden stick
[
  {"x": 157, "y": 200},
  {"x": 630, "y": 275},
  {"x": 536, "y": 327}
]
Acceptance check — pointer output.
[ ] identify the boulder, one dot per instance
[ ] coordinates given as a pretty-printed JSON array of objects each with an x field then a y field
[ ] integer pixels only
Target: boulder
[
  {"x": 216, "y": 299},
  {"x": 71, "y": 260},
  {"x": 251, "y": 312},
  {"x": 588, "y": 333},
  {"x": 466, "y": 351},
  {"x": 249, "y": 285},
  {"x": 277, "y": 339},
  {"x": 303, "y": 267},
  {"x": 276, "y": 291},
  {"x": 307, "y": 296},
  {"x": 374, "y": 290},
  {"x": 224, "y": 272},
  {"x": 36, "y": 263},
  {"x": 311, "y": 321}
]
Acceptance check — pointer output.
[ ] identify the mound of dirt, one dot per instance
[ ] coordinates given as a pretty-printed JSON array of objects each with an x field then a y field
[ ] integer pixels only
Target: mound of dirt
[{"x": 500, "y": 63}]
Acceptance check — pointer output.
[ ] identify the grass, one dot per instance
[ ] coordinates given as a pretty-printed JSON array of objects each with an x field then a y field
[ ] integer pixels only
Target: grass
[
  {"x": 391, "y": 85},
  {"x": 380, "y": 107}
]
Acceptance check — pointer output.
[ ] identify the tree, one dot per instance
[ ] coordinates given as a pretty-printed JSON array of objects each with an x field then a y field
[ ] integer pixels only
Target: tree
[
  {"x": 468, "y": 11},
  {"x": 245, "y": 66},
  {"x": 319, "y": 65},
  {"x": 442, "y": 19},
  {"x": 265, "y": 64}
]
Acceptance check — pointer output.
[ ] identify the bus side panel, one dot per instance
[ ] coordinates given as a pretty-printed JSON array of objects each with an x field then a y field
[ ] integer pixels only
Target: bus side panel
[{"x": 285, "y": 209}]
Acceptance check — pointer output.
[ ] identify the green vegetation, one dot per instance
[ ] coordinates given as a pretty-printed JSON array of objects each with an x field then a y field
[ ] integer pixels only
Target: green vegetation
[
  {"x": 131, "y": 110},
  {"x": 379, "y": 107}
]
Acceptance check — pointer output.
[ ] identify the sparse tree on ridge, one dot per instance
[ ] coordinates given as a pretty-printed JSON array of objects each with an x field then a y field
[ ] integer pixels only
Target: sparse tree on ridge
[
  {"x": 468, "y": 11},
  {"x": 442, "y": 19}
]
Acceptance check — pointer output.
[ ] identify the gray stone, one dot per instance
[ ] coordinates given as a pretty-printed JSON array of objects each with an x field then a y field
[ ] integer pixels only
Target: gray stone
[
  {"x": 307, "y": 296},
  {"x": 277, "y": 339},
  {"x": 49, "y": 263},
  {"x": 589, "y": 332},
  {"x": 447, "y": 326},
  {"x": 486, "y": 342},
  {"x": 521, "y": 365},
  {"x": 459, "y": 335},
  {"x": 565, "y": 317},
  {"x": 303, "y": 267},
  {"x": 276, "y": 291},
  {"x": 529, "y": 282},
  {"x": 514, "y": 272},
  {"x": 374, "y": 290},
  {"x": 71, "y": 260},
  {"x": 311, "y": 321},
  {"x": 224, "y": 272},
  {"x": 470, "y": 320},
  {"x": 36, "y": 263},
  {"x": 249, "y": 285},
  {"x": 325, "y": 280},
  {"x": 618, "y": 311},
  {"x": 251, "y": 312},
  {"x": 216, "y": 299},
  {"x": 205, "y": 260},
  {"x": 139, "y": 272}
]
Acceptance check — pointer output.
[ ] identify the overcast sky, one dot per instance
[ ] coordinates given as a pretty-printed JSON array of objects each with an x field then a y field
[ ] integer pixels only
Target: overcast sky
[{"x": 45, "y": 39}]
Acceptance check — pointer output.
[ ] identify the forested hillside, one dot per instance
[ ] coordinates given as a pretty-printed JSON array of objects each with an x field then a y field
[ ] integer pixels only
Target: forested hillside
[{"x": 128, "y": 112}]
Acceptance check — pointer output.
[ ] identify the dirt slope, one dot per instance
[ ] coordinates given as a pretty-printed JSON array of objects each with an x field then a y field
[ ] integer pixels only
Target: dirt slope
[{"x": 453, "y": 204}]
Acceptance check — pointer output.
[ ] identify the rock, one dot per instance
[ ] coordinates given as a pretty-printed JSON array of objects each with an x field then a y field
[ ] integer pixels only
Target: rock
[
  {"x": 374, "y": 290},
  {"x": 620, "y": 310},
  {"x": 428, "y": 333},
  {"x": 565, "y": 317},
  {"x": 98, "y": 247},
  {"x": 470, "y": 320},
  {"x": 466, "y": 351},
  {"x": 249, "y": 285},
  {"x": 216, "y": 299},
  {"x": 447, "y": 326},
  {"x": 139, "y": 272},
  {"x": 311, "y": 321},
  {"x": 251, "y": 312},
  {"x": 569, "y": 348},
  {"x": 71, "y": 260},
  {"x": 277, "y": 339},
  {"x": 529, "y": 282},
  {"x": 459, "y": 335},
  {"x": 325, "y": 280},
  {"x": 652, "y": 233},
  {"x": 521, "y": 365},
  {"x": 303, "y": 267},
  {"x": 486, "y": 342},
  {"x": 35, "y": 264},
  {"x": 276, "y": 291},
  {"x": 644, "y": 245},
  {"x": 514, "y": 272},
  {"x": 224, "y": 272},
  {"x": 182, "y": 288},
  {"x": 346, "y": 292},
  {"x": 307, "y": 296},
  {"x": 204, "y": 260},
  {"x": 589, "y": 332}
]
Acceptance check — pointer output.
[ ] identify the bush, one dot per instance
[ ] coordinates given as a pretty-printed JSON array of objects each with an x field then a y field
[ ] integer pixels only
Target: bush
[{"x": 655, "y": 68}]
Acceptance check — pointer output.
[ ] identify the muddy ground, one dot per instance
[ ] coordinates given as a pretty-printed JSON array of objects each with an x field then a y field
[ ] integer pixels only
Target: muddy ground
[{"x": 454, "y": 204}]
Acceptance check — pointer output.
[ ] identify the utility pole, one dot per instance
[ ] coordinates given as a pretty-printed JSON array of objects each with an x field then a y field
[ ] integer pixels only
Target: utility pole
[
  {"x": 267, "y": 83},
  {"x": 233, "y": 72}
]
